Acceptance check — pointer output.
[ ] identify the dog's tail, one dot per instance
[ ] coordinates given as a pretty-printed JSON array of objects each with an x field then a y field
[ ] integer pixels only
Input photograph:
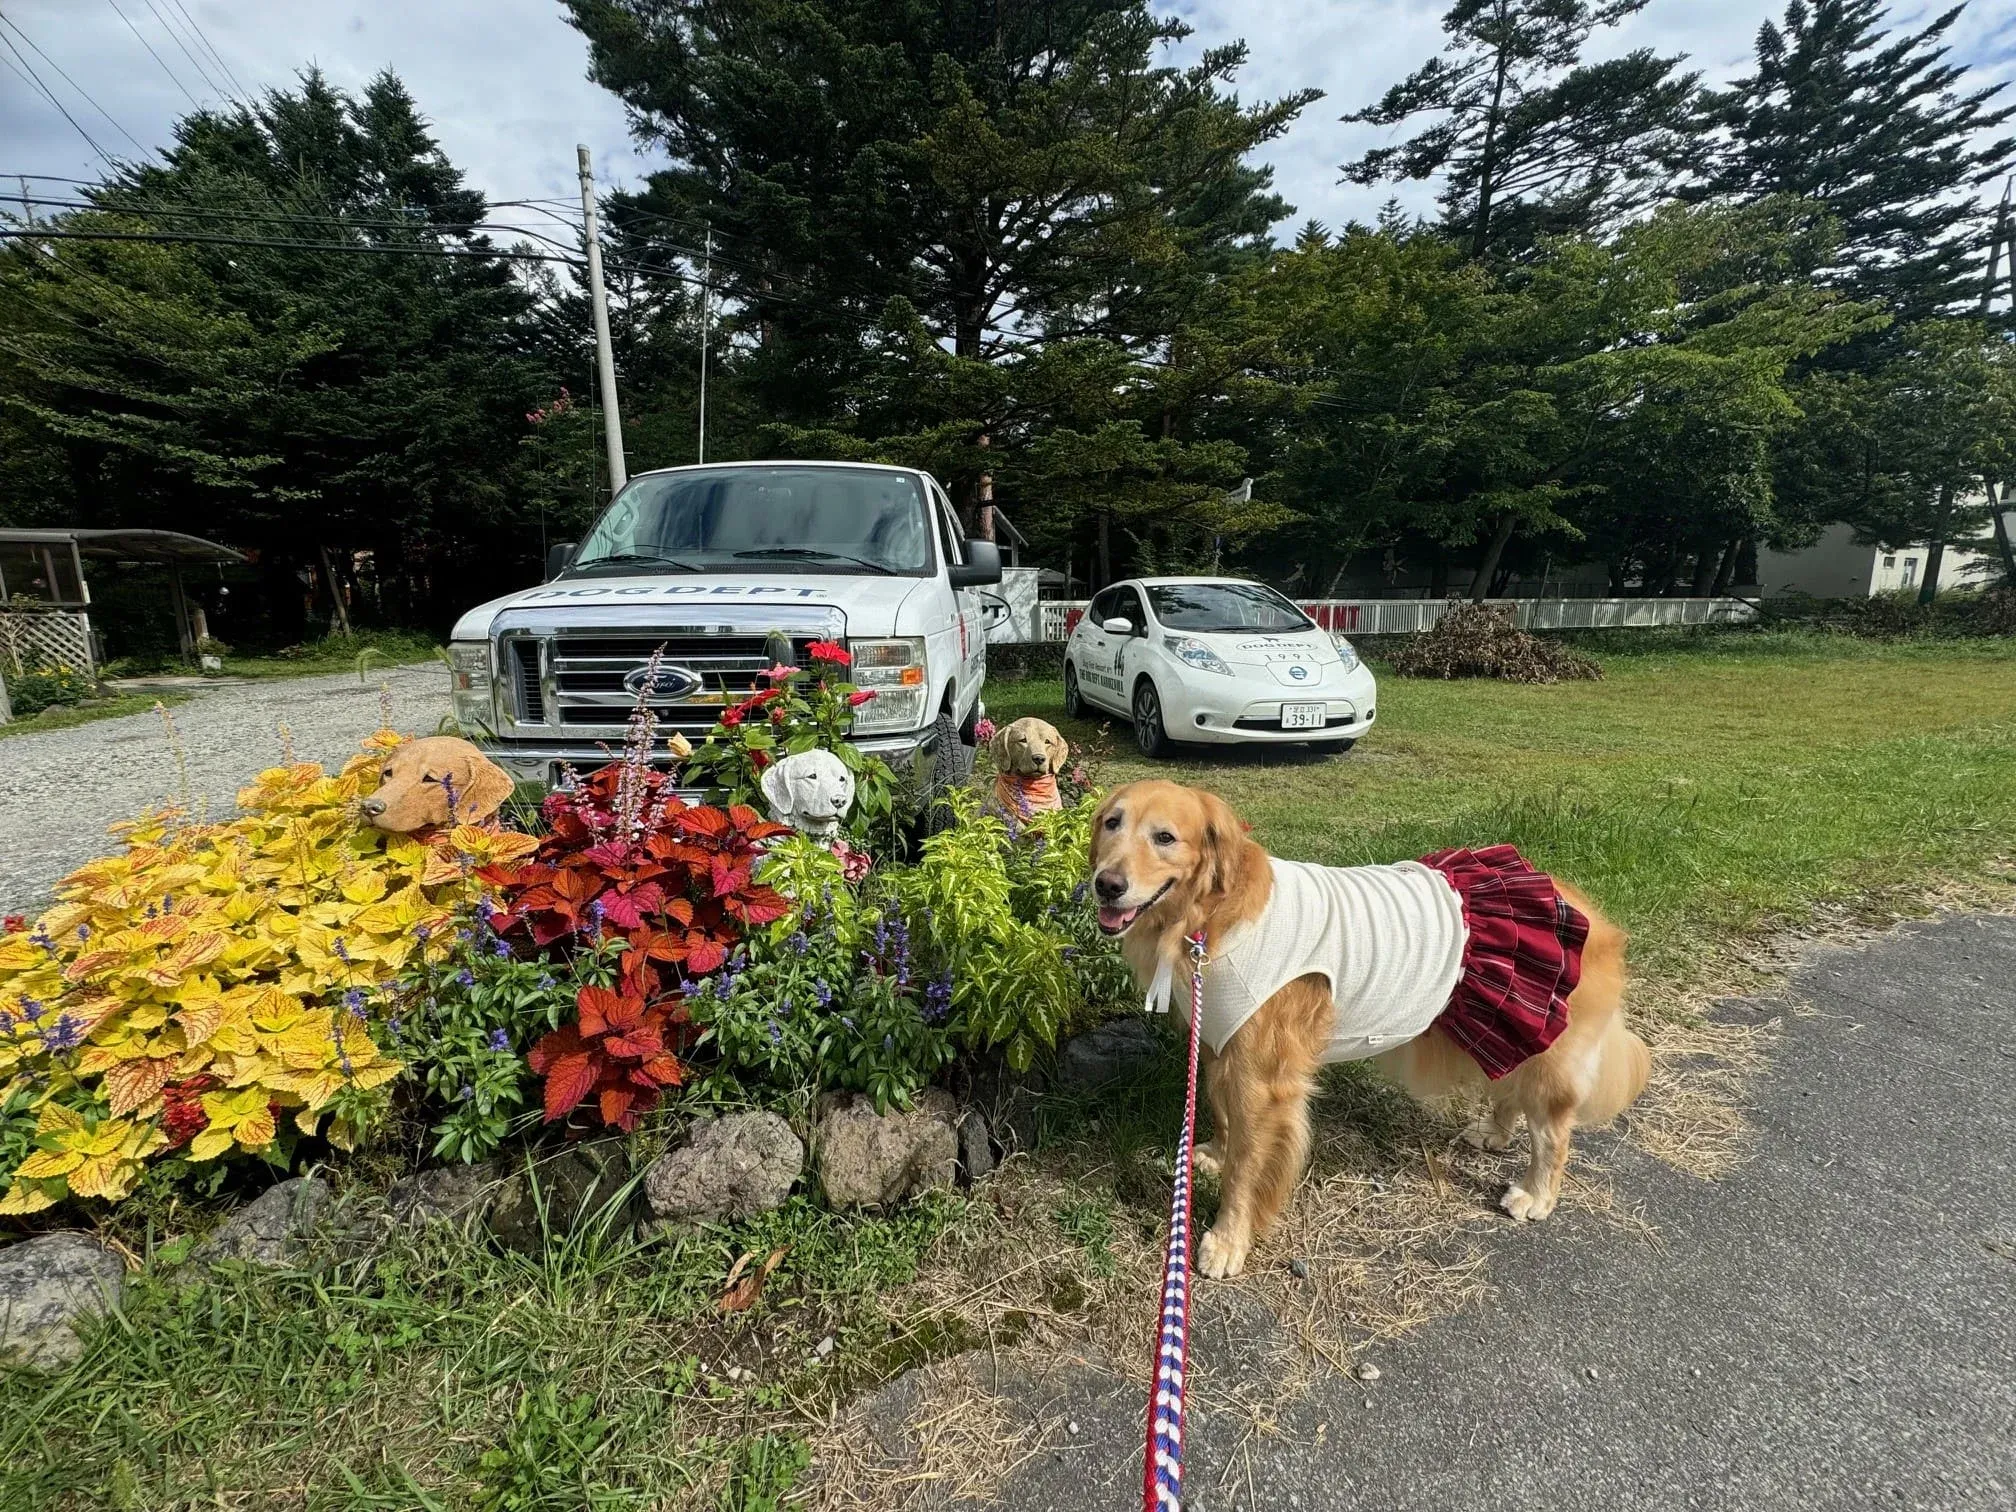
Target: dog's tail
[{"x": 1622, "y": 1065}]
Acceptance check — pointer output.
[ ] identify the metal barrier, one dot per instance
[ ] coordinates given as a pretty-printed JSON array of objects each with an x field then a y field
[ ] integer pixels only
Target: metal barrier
[{"x": 1411, "y": 616}]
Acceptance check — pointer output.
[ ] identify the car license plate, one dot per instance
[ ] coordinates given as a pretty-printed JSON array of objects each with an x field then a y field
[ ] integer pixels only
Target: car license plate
[{"x": 1303, "y": 716}]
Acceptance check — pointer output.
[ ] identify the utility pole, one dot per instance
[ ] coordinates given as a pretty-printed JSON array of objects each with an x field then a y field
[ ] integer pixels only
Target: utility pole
[
  {"x": 605, "y": 357},
  {"x": 706, "y": 278}
]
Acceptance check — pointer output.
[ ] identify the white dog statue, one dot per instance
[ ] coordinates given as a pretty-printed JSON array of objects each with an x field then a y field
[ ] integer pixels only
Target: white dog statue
[{"x": 811, "y": 792}]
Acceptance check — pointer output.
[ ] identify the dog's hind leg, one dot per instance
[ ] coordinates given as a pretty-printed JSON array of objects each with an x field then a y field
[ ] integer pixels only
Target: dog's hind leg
[
  {"x": 1493, "y": 1128},
  {"x": 1532, "y": 1198}
]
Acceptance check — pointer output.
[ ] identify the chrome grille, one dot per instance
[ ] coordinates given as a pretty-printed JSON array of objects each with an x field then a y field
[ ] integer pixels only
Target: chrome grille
[
  {"x": 583, "y": 691},
  {"x": 525, "y": 682}
]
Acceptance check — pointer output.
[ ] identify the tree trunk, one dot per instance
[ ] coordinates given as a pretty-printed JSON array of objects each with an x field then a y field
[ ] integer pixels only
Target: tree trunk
[
  {"x": 1705, "y": 562},
  {"x": 1480, "y": 236},
  {"x": 1727, "y": 570},
  {"x": 1105, "y": 547},
  {"x": 1618, "y": 574},
  {"x": 1438, "y": 574},
  {"x": 1935, "y": 555},
  {"x": 1488, "y": 568},
  {"x": 335, "y": 587}
]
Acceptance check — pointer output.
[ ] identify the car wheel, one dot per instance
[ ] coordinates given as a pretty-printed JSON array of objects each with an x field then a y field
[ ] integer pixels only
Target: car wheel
[
  {"x": 1074, "y": 701},
  {"x": 951, "y": 765},
  {"x": 1329, "y": 747},
  {"x": 1149, "y": 733}
]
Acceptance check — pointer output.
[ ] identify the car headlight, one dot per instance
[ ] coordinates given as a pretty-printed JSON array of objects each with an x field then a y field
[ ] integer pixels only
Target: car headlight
[
  {"x": 470, "y": 692},
  {"x": 1194, "y": 653},
  {"x": 893, "y": 670},
  {"x": 1345, "y": 650}
]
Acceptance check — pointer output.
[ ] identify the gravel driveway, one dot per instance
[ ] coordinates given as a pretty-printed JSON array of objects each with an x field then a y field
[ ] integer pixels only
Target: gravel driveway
[{"x": 60, "y": 788}]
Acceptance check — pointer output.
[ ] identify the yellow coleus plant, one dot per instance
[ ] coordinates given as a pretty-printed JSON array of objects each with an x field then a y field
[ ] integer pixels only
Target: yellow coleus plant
[{"x": 214, "y": 981}]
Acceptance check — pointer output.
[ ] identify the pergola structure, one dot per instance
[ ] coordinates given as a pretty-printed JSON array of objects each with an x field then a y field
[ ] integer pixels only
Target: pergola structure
[{"x": 47, "y": 567}]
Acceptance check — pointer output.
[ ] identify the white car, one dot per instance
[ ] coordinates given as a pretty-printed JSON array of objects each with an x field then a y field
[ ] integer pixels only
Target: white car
[{"x": 1217, "y": 661}]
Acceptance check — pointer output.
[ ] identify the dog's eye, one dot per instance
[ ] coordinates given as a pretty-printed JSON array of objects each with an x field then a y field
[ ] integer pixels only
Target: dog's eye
[
  {"x": 1112, "y": 821},
  {"x": 1164, "y": 837}
]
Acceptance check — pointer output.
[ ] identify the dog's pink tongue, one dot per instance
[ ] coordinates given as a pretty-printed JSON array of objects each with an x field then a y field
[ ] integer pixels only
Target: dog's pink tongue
[{"x": 1114, "y": 918}]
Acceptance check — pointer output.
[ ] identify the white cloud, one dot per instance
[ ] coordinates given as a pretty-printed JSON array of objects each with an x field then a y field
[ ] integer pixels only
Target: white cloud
[{"x": 505, "y": 81}]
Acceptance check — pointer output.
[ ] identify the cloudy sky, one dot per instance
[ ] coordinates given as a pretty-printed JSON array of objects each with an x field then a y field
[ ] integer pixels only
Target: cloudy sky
[{"x": 505, "y": 84}]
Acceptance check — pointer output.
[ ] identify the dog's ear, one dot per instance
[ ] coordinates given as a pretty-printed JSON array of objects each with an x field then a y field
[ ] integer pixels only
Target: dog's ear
[
  {"x": 1222, "y": 840},
  {"x": 997, "y": 748},
  {"x": 776, "y": 786},
  {"x": 1056, "y": 748},
  {"x": 483, "y": 789}
]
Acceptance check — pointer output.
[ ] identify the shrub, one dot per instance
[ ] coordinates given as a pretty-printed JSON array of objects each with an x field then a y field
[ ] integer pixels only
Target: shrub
[
  {"x": 47, "y": 687},
  {"x": 1481, "y": 640},
  {"x": 210, "y": 992},
  {"x": 802, "y": 709},
  {"x": 1899, "y": 616}
]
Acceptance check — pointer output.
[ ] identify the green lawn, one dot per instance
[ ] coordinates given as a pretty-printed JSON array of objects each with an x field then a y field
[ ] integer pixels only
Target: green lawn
[
  {"x": 63, "y": 717},
  {"x": 1707, "y": 792}
]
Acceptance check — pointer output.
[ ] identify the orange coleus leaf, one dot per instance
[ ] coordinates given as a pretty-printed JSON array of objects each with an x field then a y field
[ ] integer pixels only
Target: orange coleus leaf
[
  {"x": 132, "y": 1084},
  {"x": 704, "y": 954},
  {"x": 615, "y": 1106},
  {"x": 568, "y": 1081},
  {"x": 703, "y": 821}
]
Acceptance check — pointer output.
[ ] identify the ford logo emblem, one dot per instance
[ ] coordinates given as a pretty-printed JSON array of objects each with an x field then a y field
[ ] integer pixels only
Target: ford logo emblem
[
  {"x": 1298, "y": 672},
  {"x": 669, "y": 683}
]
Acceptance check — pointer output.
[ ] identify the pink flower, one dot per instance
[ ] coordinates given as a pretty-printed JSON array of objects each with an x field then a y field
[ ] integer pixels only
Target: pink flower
[
  {"x": 859, "y": 696},
  {"x": 983, "y": 730},
  {"x": 854, "y": 864},
  {"x": 777, "y": 673},
  {"x": 1080, "y": 777}
]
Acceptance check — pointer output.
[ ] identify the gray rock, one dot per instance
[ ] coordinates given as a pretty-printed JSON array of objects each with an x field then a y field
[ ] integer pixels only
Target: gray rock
[
  {"x": 445, "y": 1194},
  {"x": 273, "y": 1228},
  {"x": 1112, "y": 1052},
  {"x": 47, "y": 1284},
  {"x": 877, "y": 1160},
  {"x": 575, "y": 1187},
  {"x": 976, "y": 1146},
  {"x": 732, "y": 1167}
]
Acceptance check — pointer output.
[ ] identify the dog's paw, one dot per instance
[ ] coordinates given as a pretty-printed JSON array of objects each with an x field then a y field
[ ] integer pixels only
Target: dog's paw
[
  {"x": 1524, "y": 1206},
  {"x": 1484, "y": 1133},
  {"x": 1221, "y": 1258},
  {"x": 1205, "y": 1158}
]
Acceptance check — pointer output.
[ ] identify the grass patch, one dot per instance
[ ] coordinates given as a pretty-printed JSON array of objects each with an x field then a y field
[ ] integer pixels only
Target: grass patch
[
  {"x": 365, "y": 652},
  {"x": 64, "y": 718},
  {"x": 1712, "y": 790}
]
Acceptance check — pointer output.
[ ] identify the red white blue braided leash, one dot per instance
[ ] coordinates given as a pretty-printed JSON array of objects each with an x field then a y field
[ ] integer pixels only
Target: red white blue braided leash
[{"x": 1162, "y": 1462}]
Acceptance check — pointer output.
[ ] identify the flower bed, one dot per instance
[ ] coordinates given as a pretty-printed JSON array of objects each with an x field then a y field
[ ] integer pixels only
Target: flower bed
[{"x": 272, "y": 987}]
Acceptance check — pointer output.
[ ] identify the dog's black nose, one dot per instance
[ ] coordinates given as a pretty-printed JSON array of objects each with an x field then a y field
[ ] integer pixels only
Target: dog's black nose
[
  {"x": 1110, "y": 885},
  {"x": 372, "y": 807}
]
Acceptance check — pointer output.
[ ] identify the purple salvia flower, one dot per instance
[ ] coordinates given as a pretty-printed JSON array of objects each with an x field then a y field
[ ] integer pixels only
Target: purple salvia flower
[
  {"x": 501, "y": 948},
  {"x": 342, "y": 952},
  {"x": 465, "y": 977},
  {"x": 65, "y": 1034},
  {"x": 499, "y": 1040}
]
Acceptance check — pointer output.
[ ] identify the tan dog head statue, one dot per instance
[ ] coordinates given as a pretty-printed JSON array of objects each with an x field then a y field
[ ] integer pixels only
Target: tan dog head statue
[
  {"x": 1029, "y": 747},
  {"x": 413, "y": 790}
]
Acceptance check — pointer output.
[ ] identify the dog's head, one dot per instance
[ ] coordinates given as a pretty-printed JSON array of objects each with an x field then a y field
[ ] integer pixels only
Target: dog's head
[
  {"x": 1029, "y": 748},
  {"x": 418, "y": 778},
  {"x": 1161, "y": 851},
  {"x": 810, "y": 791}
]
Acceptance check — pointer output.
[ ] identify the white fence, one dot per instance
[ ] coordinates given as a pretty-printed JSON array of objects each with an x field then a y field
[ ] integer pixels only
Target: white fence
[
  {"x": 54, "y": 637},
  {"x": 1411, "y": 616}
]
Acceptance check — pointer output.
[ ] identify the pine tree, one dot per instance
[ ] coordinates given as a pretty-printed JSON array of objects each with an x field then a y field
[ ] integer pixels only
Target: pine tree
[
  {"x": 1883, "y": 135},
  {"x": 1532, "y": 141}
]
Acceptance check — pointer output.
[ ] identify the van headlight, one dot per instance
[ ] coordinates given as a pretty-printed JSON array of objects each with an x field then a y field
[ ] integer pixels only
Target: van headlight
[
  {"x": 470, "y": 691},
  {"x": 893, "y": 670},
  {"x": 1345, "y": 650},
  {"x": 1194, "y": 653}
]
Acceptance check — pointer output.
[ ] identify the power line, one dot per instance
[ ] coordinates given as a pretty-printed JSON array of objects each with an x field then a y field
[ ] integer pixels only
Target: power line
[
  {"x": 28, "y": 69},
  {"x": 176, "y": 37},
  {"x": 153, "y": 54},
  {"x": 15, "y": 27},
  {"x": 211, "y": 48}
]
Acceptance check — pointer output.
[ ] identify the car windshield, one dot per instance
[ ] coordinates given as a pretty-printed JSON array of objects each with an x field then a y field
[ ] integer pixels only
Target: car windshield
[
  {"x": 1225, "y": 607},
  {"x": 775, "y": 519}
]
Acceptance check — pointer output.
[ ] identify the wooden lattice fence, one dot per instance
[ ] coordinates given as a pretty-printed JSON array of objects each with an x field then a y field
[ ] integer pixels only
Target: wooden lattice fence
[{"x": 45, "y": 637}]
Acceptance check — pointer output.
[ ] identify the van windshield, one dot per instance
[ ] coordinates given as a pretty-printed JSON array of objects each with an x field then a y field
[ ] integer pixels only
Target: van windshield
[
  {"x": 1226, "y": 607},
  {"x": 770, "y": 519}
]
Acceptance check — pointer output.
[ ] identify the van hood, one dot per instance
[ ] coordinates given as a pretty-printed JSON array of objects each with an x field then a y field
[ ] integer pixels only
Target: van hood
[{"x": 866, "y": 603}]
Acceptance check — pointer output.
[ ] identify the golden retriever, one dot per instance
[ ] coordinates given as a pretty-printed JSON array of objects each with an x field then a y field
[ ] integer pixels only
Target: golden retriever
[
  {"x": 420, "y": 775},
  {"x": 1168, "y": 861}
]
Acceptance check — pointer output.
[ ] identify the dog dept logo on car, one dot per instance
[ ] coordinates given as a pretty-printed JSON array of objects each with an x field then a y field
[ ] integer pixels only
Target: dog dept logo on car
[{"x": 678, "y": 590}]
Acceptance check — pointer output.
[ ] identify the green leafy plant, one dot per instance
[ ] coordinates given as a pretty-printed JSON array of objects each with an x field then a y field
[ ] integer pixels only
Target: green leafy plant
[
  {"x": 47, "y": 687},
  {"x": 799, "y": 709},
  {"x": 547, "y": 1458}
]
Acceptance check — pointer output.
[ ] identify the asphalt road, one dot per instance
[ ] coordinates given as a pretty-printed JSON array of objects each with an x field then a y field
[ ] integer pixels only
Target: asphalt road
[{"x": 1832, "y": 1326}]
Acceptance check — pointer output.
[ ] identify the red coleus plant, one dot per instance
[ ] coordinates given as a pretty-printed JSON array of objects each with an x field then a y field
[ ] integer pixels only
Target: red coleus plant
[
  {"x": 674, "y": 882},
  {"x": 615, "y": 1053}
]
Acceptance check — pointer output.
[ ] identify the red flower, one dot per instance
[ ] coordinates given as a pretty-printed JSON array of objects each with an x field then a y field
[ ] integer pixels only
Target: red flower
[
  {"x": 830, "y": 651},
  {"x": 182, "y": 1115},
  {"x": 759, "y": 759},
  {"x": 14, "y": 924},
  {"x": 859, "y": 696},
  {"x": 730, "y": 718}
]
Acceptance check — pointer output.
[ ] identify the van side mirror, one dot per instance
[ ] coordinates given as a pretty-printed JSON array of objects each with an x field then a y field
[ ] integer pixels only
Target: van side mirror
[
  {"x": 1119, "y": 624},
  {"x": 981, "y": 569},
  {"x": 558, "y": 556}
]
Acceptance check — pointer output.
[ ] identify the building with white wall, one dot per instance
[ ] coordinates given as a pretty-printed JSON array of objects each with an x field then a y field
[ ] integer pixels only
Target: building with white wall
[{"x": 1838, "y": 566}]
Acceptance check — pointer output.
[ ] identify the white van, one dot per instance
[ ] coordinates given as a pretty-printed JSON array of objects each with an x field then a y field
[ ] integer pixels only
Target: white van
[{"x": 728, "y": 568}]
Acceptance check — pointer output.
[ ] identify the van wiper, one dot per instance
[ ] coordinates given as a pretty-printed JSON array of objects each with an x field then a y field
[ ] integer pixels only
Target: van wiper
[
  {"x": 637, "y": 556},
  {"x": 813, "y": 554}
]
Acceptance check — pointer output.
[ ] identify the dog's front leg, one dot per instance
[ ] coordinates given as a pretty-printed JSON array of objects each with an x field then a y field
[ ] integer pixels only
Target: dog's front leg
[{"x": 1259, "y": 1090}]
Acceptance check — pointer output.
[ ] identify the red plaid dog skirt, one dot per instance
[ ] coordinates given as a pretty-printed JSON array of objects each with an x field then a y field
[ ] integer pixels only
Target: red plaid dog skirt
[{"x": 1523, "y": 959}]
